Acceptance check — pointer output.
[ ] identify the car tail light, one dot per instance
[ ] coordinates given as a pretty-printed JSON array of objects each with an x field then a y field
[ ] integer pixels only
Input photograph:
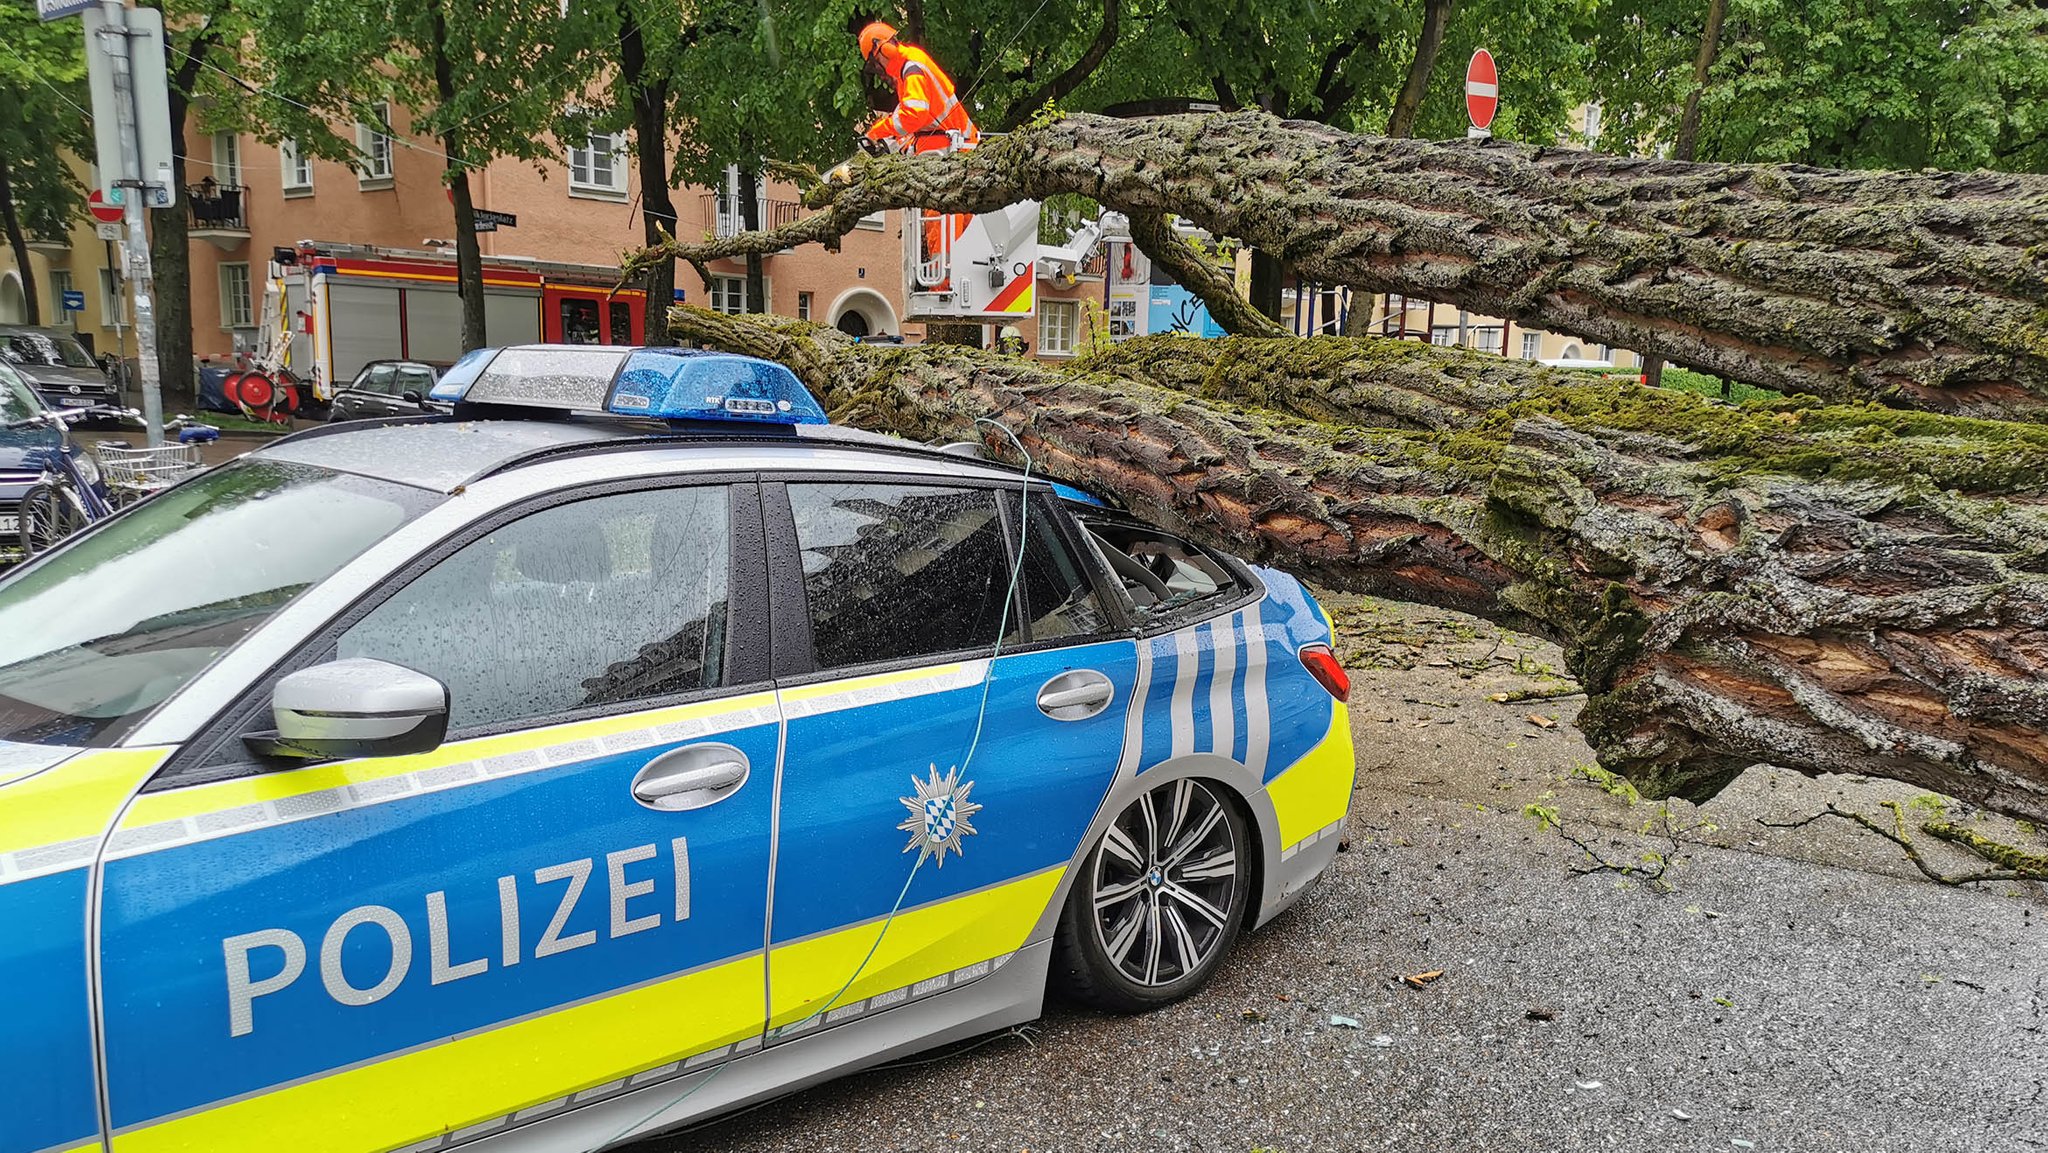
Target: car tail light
[{"x": 1322, "y": 664}]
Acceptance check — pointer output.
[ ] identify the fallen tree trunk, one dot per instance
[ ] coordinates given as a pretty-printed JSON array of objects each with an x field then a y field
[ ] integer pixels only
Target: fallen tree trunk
[
  {"x": 1828, "y": 589},
  {"x": 1917, "y": 289}
]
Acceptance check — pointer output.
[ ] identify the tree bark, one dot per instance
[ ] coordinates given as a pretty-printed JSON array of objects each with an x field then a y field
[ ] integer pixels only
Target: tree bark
[
  {"x": 18, "y": 241},
  {"x": 170, "y": 249},
  {"x": 750, "y": 216},
  {"x": 648, "y": 95},
  {"x": 1689, "y": 125},
  {"x": 1916, "y": 289},
  {"x": 1702, "y": 67},
  {"x": 1156, "y": 238},
  {"x": 469, "y": 261},
  {"x": 1828, "y": 589},
  {"x": 1436, "y": 14}
]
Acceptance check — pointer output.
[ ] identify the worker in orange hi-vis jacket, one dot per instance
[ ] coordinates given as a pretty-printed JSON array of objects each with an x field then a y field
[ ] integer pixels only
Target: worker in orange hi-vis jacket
[{"x": 929, "y": 115}]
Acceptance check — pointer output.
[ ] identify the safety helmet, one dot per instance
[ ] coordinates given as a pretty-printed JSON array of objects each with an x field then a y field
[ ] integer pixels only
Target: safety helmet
[{"x": 873, "y": 37}]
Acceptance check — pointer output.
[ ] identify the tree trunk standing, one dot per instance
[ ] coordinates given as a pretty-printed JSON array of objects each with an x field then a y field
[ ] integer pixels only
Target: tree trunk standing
[
  {"x": 1826, "y": 589},
  {"x": 469, "y": 259},
  {"x": 469, "y": 262},
  {"x": 1689, "y": 129},
  {"x": 170, "y": 249},
  {"x": 1436, "y": 14},
  {"x": 1268, "y": 278},
  {"x": 1401, "y": 122},
  {"x": 18, "y": 241},
  {"x": 750, "y": 217},
  {"x": 1916, "y": 289},
  {"x": 649, "y": 98}
]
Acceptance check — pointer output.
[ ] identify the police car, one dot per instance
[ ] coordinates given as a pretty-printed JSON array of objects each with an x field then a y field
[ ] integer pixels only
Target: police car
[{"x": 626, "y": 748}]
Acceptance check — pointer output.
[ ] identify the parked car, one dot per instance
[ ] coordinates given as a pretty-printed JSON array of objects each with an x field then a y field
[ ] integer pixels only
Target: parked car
[
  {"x": 59, "y": 368},
  {"x": 468, "y": 782},
  {"x": 387, "y": 388},
  {"x": 22, "y": 451}
]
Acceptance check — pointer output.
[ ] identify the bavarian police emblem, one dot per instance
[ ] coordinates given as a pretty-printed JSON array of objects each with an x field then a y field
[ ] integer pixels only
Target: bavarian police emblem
[{"x": 938, "y": 814}]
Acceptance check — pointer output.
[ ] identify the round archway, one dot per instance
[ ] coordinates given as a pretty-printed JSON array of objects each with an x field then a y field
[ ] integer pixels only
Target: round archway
[
  {"x": 863, "y": 312},
  {"x": 13, "y": 302}
]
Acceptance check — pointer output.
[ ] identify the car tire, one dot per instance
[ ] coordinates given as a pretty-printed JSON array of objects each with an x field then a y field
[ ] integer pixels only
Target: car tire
[
  {"x": 1159, "y": 900},
  {"x": 47, "y": 514}
]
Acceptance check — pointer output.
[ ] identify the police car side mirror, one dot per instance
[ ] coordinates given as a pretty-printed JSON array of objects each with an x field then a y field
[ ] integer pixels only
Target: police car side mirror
[{"x": 359, "y": 707}]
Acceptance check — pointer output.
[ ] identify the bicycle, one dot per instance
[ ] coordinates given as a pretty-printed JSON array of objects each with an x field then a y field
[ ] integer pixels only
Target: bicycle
[{"x": 69, "y": 494}]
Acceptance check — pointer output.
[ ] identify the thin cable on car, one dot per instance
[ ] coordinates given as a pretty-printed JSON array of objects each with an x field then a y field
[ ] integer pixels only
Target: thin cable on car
[{"x": 973, "y": 744}]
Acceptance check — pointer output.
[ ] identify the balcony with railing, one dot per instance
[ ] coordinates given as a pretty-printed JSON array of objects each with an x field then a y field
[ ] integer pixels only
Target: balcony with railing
[
  {"x": 724, "y": 210},
  {"x": 219, "y": 213}
]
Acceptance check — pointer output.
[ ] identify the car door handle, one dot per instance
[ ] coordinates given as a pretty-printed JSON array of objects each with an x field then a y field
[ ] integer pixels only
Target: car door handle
[
  {"x": 690, "y": 777},
  {"x": 1075, "y": 695}
]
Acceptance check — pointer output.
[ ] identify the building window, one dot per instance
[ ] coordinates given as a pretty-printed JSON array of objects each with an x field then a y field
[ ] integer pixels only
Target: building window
[
  {"x": 375, "y": 142},
  {"x": 1058, "y": 321},
  {"x": 803, "y": 306},
  {"x": 1532, "y": 346},
  {"x": 1444, "y": 337},
  {"x": 111, "y": 312},
  {"x": 227, "y": 159},
  {"x": 298, "y": 169},
  {"x": 234, "y": 297},
  {"x": 598, "y": 164},
  {"x": 60, "y": 283},
  {"x": 1606, "y": 354},
  {"x": 1486, "y": 339},
  {"x": 729, "y": 294},
  {"x": 1590, "y": 125}
]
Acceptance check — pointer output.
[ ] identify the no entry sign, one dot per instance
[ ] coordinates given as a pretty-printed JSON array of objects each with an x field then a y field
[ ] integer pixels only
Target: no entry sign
[
  {"x": 1482, "y": 91},
  {"x": 102, "y": 211}
]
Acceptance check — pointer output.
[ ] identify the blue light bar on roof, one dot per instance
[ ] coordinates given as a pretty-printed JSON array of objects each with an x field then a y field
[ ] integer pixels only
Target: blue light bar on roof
[
  {"x": 688, "y": 384},
  {"x": 658, "y": 383},
  {"x": 461, "y": 374}
]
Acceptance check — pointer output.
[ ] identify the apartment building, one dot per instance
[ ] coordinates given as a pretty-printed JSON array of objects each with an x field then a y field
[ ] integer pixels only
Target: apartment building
[{"x": 249, "y": 198}]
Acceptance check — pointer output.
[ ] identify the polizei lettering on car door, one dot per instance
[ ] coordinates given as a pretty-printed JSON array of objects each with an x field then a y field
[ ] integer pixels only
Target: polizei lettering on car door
[{"x": 267, "y": 961}]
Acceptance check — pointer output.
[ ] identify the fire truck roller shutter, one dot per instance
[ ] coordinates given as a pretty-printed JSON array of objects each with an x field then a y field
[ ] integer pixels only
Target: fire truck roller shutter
[
  {"x": 364, "y": 321},
  {"x": 511, "y": 316},
  {"x": 433, "y": 324}
]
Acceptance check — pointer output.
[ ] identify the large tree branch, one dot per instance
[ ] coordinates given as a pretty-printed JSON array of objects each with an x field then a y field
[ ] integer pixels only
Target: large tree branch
[
  {"x": 1826, "y": 589},
  {"x": 1155, "y": 237},
  {"x": 1918, "y": 289}
]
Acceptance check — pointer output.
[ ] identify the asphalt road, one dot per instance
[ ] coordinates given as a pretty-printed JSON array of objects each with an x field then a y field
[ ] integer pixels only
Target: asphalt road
[{"x": 1796, "y": 990}]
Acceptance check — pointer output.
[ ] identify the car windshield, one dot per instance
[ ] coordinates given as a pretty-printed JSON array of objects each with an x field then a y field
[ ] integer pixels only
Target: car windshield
[
  {"x": 99, "y": 634},
  {"x": 46, "y": 348},
  {"x": 17, "y": 400}
]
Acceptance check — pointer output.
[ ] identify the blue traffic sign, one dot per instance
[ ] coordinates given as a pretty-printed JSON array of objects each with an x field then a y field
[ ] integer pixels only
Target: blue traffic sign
[{"x": 74, "y": 300}]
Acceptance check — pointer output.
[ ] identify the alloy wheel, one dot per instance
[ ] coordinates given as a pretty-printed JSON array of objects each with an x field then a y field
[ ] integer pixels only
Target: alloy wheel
[{"x": 1164, "y": 883}]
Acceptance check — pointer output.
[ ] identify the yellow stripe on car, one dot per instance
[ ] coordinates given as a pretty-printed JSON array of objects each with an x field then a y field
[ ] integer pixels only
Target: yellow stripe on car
[
  {"x": 920, "y": 943},
  {"x": 470, "y": 1080},
  {"x": 1315, "y": 791},
  {"x": 73, "y": 800}
]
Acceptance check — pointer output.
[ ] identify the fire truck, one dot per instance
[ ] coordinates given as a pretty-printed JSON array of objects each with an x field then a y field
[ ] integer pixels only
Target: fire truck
[{"x": 329, "y": 309}]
